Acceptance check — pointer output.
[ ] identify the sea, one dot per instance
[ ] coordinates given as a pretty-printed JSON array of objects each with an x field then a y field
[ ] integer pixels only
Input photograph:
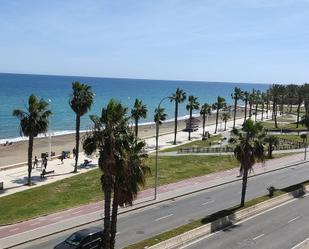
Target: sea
[{"x": 16, "y": 88}]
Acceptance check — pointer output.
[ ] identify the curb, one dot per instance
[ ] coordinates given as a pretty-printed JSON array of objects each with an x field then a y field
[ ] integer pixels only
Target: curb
[
  {"x": 226, "y": 221},
  {"x": 153, "y": 203}
]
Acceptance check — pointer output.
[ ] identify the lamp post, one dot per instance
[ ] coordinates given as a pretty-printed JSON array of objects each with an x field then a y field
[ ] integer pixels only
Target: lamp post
[
  {"x": 305, "y": 156},
  {"x": 49, "y": 134},
  {"x": 157, "y": 149}
]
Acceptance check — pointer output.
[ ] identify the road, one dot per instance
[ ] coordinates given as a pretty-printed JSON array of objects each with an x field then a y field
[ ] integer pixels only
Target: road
[
  {"x": 141, "y": 224},
  {"x": 282, "y": 228}
]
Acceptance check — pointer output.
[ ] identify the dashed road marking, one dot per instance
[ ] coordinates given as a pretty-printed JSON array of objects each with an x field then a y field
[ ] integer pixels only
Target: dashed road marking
[
  {"x": 296, "y": 218},
  {"x": 164, "y": 217},
  {"x": 257, "y": 237}
]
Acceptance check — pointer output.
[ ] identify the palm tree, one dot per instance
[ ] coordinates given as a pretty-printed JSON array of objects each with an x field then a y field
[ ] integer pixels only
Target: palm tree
[
  {"x": 245, "y": 98},
  {"x": 236, "y": 96},
  {"x": 225, "y": 117},
  {"x": 272, "y": 142},
  {"x": 33, "y": 121},
  {"x": 251, "y": 101},
  {"x": 130, "y": 177},
  {"x": 81, "y": 101},
  {"x": 178, "y": 97},
  {"x": 159, "y": 115},
  {"x": 263, "y": 100},
  {"x": 205, "y": 111},
  {"x": 257, "y": 100},
  {"x": 217, "y": 106},
  {"x": 300, "y": 99},
  {"x": 248, "y": 150},
  {"x": 139, "y": 111},
  {"x": 275, "y": 93},
  {"x": 193, "y": 104},
  {"x": 268, "y": 95},
  {"x": 108, "y": 136}
]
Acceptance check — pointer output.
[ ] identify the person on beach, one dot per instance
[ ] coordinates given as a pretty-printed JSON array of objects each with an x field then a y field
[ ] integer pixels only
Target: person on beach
[
  {"x": 35, "y": 162},
  {"x": 74, "y": 152},
  {"x": 62, "y": 156}
]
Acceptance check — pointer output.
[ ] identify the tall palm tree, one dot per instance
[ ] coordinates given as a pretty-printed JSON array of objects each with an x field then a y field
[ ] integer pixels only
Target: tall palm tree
[
  {"x": 193, "y": 104},
  {"x": 263, "y": 100},
  {"x": 245, "y": 98},
  {"x": 248, "y": 150},
  {"x": 275, "y": 93},
  {"x": 300, "y": 100},
  {"x": 257, "y": 101},
  {"x": 205, "y": 111},
  {"x": 159, "y": 115},
  {"x": 139, "y": 111},
  {"x": 81, "y": 101},
  {"x": 272, "y": 141},
  {"x": 33, "y": 121},
  {"x": 268, "y": 96},
  {"x": 178, "y": 97},
  {"x": 130, "y": 177},
  {"x": 251, "y": 101},
  {"x": 108, "y": 136},
  {"x": 225, "y": 117},
  {"x": 236, "y": 96},
  {"x": 217, "y": 106}
]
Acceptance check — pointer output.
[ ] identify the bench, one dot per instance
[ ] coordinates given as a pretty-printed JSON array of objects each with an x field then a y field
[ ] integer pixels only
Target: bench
[{"x": 44, "y": 173}]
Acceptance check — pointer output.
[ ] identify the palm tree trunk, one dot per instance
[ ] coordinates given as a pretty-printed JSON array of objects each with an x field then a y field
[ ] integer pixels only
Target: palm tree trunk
[
  {"x": 267, "y": 109},
  {"x": 136, "y": 127},
  {"x": 256, "y": 109},
  {"x": 262, "y": 111},
  {"x": 275, "y": 115},
  {"x": 30, "y": 150},
  {"x": 250, "y": 110},
  {"x": 225, "y": 125},
  {"x": 77, "y": 141},
  {"x": 298, "y": 111},
  {"x": 176, "y": 116},
  {"x": 235, "y": 106},
  {"x": 114, "y": 218},
  {"x": 190, "y": 124},
  {"x": 217, "y": 116},
  {"x": 107, "y": 208},
  {"x": 204, "y": 120},
  {"x": 246, "y": 102},
  {"x": 244, "y": 186}
]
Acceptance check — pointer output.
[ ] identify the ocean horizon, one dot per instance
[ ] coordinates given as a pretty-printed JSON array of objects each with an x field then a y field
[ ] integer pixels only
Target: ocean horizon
[{"x": 16, "y": 88}]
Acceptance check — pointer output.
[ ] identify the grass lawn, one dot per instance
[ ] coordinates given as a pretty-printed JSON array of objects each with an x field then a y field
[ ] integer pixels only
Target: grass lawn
[
  {"x": 198, "y": 143},
  {"x": 287, "y": 118},
  {"x": 85, "y": 188},
  {"x": 295, "y": 138},
  {"x": 271, "y": 125}
]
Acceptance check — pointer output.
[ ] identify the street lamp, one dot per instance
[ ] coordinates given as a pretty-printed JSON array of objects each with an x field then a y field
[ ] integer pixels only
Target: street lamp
[
  {"x": 157, "y": 148},
  {"x": 305, "y": 156},
  {"x": 49, "y": 134}
]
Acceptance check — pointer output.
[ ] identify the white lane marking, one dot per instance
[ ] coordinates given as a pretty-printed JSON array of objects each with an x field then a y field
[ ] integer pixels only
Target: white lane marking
[
  {"x": 14, "y": 229},
  {"x": 306, "y": 241},
  {"x": 77, "y": 212},
  {"x": 208, "y": 202},
  {"x": 164, "y": 217},
  {"x": 293, "y": 219},
  {"x": 257, "y": 237},
  {"x": 35, "y": 223}
]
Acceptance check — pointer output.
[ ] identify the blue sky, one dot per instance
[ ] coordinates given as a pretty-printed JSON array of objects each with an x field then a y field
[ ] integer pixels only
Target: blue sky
[{"x": 213, "y": 40}]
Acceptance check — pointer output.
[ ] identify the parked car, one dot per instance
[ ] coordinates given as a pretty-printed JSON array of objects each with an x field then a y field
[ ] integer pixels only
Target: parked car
[{"x": 83, "y": 239}]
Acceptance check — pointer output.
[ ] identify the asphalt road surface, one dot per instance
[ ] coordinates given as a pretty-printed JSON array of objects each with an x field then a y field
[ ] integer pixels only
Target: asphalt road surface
[
  {"x": 281, "y": 228},
  {"x": 138, "y": 225}
]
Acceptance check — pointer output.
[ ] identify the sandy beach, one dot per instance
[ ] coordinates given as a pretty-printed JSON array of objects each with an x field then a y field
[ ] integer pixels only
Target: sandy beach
[{"x": 17, "y": 152}]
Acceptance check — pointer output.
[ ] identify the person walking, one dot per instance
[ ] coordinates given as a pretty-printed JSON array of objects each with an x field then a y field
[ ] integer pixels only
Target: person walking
[
  {"x": 35, "y": 162},
  {"x": 74, "y": 152}
]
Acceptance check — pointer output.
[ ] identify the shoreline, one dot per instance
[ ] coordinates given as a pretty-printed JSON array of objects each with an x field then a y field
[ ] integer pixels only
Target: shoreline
[{"x": 17, "y": 152}]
